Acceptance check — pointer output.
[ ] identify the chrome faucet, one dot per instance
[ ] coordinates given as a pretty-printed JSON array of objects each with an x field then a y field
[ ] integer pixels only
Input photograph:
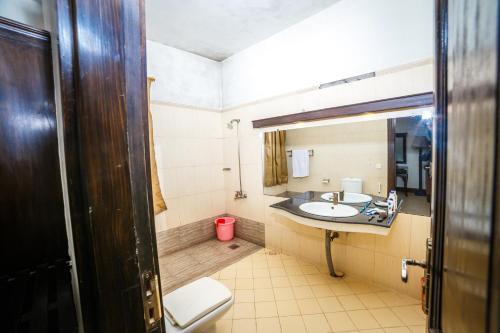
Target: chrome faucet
[{"x": 337, "y": 197}]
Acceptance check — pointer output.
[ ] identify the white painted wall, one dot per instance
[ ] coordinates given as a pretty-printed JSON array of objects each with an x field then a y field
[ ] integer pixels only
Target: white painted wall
[
  {"x": 25, "y": 11},
  {"x": 349, "y": 38},
  {"x": 183, "y": 78}
]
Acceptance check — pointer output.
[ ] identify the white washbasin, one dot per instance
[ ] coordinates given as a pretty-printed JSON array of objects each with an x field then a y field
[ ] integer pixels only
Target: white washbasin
[
  {"x": 349, "y": 197},
  {"x": 325, "y": 209}
]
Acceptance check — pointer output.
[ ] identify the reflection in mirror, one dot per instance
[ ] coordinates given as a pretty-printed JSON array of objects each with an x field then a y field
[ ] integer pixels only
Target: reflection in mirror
[{"x": 355, "y": 157}]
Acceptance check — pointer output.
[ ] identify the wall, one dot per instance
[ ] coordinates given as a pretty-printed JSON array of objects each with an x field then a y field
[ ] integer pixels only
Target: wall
[
  {"x": 189, "y": 154},
  {"x": 340, "y": 151},
  {"x": 183, "y": 78},
  {"x": 350, "y": 38},
  {"x": 25, "y": 11}
]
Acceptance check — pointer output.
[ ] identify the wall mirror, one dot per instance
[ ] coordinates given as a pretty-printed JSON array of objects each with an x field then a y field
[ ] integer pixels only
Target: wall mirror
[{"x": 364, "y": 156}]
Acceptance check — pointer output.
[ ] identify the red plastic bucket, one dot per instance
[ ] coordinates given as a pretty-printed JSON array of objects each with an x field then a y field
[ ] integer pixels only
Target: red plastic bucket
[{"x": 225, "y": 228}]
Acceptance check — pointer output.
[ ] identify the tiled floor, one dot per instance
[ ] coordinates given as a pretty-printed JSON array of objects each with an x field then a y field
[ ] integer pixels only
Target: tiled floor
[
  {"x": 181, "y": 267},
  {"x": 413, "y": 204},
  {"x": 279, "y": 293}
]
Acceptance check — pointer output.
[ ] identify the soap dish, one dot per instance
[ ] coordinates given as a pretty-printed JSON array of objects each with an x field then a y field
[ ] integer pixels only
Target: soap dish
[{"x": 381, "y": 203}]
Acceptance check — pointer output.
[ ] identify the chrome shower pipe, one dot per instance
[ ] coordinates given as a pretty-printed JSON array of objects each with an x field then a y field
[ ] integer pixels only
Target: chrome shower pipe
[{"x": 239, "y": 194}]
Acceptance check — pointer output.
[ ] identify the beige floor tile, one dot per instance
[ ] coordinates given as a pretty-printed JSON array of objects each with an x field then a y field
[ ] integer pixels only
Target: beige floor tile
[
  {"x": 402, "y": 329},
  {"x": 262, "y": 283},
  {"x": 265, "y": 310},
  {"x": 298, "y": 280},
  {"x": 292, "y": 324},
  {"x": 351, "y": 302},
  {"x": 341, "y": 289},
  {"x": 260, "y": 264},
  {"x": 371, "y": 301},
  {"x": 244, "y": 296},
  {"x": 394, "y": 299},
  {"x": 264, "y": 295},
  {"x": 290, "y": 261},
  {"x": 274, "y": 262},
  {"x": 288, "y": 308},
  {"x": 330, "y": 304},
  {"x": 375, "y": 330},
  {"x": 280, "y": 281},
  {"x": 360, "y": 287},
  {"x": 410, "y": 315},
  {"x": 316, "y": 323},
  {"x": 386, "y": 318},
  {"x": 315, "y": 279},
  {"x": 268, "y": 325},
  {"x": 228, "y": 314},
  {"x": 417, "y": 329},
  {"x": 309, "y": 306},
  {"x": 244, "y": 326},
  {"x": 227, "y": 274},
  {"x": 309, "y": 269},
  {"x": 283, "y": 294},
  {"x": 322, "y": 291},
  {"x": 230, "y": 283},
  {"x": 274, "y": 272},
  {"x": 223, "y": 326},
  {"x": 244, "y": 274},
  {"x": 293, "y": 270},
  {"x": 260, "y": 272},
  {"x": 243, "y": 284},
  {"x": 340, "y": 322},
  {"x": 302, "y": 292},
  {"x": 243, "y": 310},
  {"x": 363, "y": 319}
]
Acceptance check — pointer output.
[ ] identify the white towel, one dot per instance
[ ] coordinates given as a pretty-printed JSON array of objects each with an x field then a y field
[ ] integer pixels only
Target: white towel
[{"x": 300, "y": 163}]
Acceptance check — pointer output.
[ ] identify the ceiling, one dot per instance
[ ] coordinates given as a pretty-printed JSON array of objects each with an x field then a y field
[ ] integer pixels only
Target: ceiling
[{"x": 217, "y": 29}]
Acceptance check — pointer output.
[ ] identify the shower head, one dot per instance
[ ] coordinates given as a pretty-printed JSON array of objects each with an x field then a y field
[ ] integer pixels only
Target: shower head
[{"x": 230, "y": 124}]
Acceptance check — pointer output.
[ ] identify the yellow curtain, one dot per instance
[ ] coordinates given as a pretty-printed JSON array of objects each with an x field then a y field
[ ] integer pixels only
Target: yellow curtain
[
  {"x": 275, "y": 165},
  {"x": 158, "y": 202}
]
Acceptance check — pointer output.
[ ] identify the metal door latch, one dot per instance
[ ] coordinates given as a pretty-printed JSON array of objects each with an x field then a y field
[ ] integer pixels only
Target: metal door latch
[
  {"x": 151, "y": 300},
  {"x": 410, "y": 262}
]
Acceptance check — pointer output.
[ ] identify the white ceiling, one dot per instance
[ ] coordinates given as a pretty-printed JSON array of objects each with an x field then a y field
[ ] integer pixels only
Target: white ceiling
[{"x": 217, "y": 29}]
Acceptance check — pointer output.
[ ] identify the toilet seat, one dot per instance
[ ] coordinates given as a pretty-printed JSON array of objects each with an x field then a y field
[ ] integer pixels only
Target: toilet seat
[{"x": 196, "y": 306}]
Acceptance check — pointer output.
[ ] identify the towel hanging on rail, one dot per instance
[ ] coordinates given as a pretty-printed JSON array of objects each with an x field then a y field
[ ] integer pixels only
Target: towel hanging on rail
[{"x": 300, "y": 163}]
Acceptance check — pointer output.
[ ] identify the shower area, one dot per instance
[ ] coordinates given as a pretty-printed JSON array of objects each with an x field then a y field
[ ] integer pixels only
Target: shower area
[{"x": 199, "y": 179}]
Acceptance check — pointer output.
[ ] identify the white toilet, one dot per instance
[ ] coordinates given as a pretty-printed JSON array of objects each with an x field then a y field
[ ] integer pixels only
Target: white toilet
[
  {"x": 196, "y": 306},
  {"x": 352, "y": 185}
]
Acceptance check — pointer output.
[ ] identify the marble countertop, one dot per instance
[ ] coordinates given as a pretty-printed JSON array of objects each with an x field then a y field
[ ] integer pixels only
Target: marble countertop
[{"x": 290, "y": 208}]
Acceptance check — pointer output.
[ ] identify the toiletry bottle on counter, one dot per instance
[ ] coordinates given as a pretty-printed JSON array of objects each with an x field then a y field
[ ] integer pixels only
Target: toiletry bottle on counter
[{"x": 390, "y": 206}]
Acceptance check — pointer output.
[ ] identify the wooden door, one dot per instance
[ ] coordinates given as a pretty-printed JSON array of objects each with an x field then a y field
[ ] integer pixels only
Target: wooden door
[
  {"x": 102, "y": 72},
  {"x": 32, "y": 225},
  {"x": 464, "y": 285}
]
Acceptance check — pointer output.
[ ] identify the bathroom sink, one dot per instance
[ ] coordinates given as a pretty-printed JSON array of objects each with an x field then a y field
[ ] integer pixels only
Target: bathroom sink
[
  {"x": 349, "y": 198},
  {"x": 325, "y": 209}
]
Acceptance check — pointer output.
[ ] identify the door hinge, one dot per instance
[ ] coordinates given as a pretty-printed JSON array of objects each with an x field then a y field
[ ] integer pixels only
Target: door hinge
[{"x": 151, "y": 300}]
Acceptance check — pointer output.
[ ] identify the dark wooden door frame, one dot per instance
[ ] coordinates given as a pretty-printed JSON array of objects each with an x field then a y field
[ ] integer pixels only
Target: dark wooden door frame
[
  {"x": 439, "y": 165},
  {"x": 465, "y": 95},
  {"x": 102, "y": 58},
  {"x": 391, "y": 155}
]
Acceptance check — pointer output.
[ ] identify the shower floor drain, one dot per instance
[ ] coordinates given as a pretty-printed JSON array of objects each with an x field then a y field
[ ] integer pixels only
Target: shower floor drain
[{"x": 233, "y": 246}]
